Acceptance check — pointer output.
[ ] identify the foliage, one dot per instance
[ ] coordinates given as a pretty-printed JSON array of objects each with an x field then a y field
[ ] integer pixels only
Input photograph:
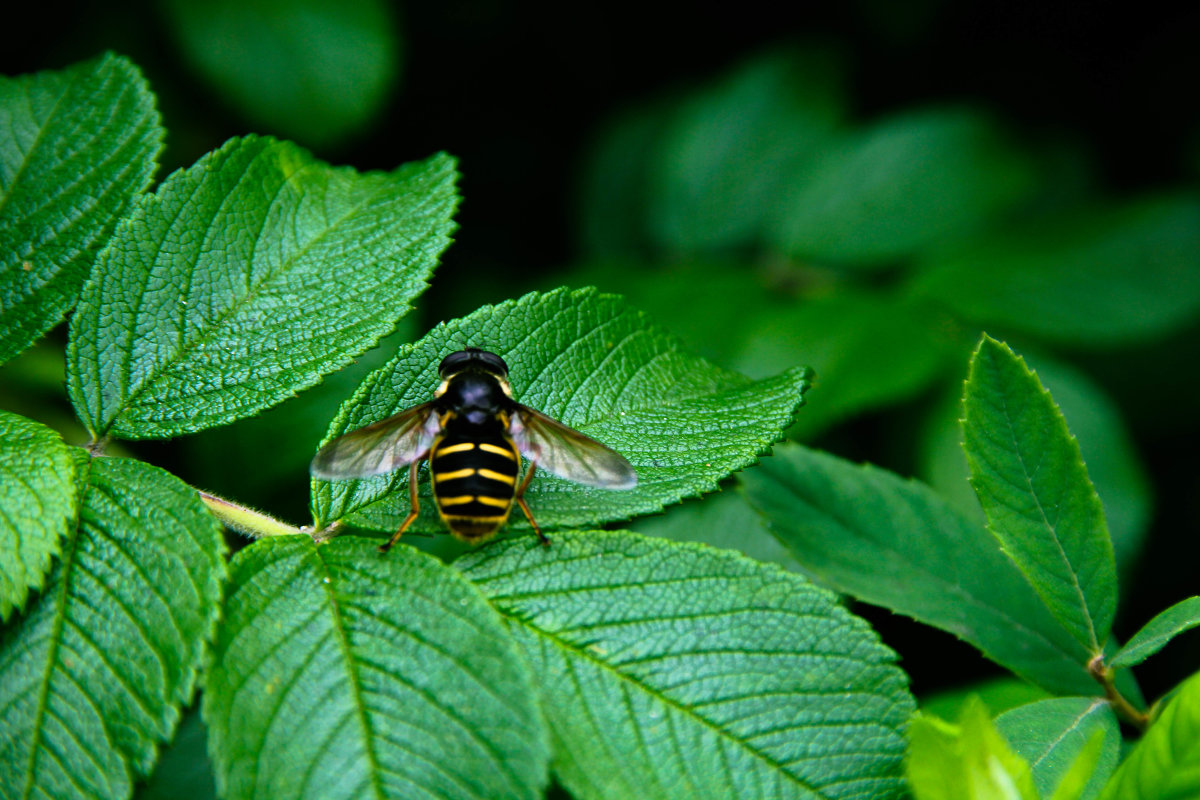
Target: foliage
[{"x": 732, "y": 232}]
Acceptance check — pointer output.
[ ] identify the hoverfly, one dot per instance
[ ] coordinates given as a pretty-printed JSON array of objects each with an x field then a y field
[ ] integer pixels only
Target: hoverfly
[{"x": 474, "y": 435}]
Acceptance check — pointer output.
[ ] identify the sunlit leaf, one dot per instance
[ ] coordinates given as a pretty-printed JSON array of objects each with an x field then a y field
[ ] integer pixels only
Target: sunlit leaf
[
  {"x": 76, "y": 147},
  {"x": 244, "y": 279},
  {"x": 339, "y": 673},
  {"x": 95, "y": 671},
  {"x": 600, "y": 367},
  {"x": 38, "y": 504},
  {"x": 679, "y": 671},
  {"x": 968, "y": 761},
  {"x": 1165, "y": 763}
]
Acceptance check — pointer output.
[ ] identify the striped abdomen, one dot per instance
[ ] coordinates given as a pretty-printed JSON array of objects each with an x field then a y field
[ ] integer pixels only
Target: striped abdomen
[{"x": 474, "y": 482}]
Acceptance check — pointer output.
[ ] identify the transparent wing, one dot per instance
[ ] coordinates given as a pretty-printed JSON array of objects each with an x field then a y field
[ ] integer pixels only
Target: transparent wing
[
  {"x": 567, "y": 453},
  {"x": 380, "y": 447}
]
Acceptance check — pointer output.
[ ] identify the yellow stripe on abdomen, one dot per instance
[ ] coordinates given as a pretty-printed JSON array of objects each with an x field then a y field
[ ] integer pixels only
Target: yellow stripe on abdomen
[
  {"x": 500, "y": 451},
  {"x": 456, "y": 448},
  {"x": 491, "y": 474},
  {"x": 455, "y": 475}
]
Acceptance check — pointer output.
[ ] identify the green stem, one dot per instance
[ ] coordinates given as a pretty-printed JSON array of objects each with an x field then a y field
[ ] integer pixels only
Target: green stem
[
  {"x": 247, "y": 521},
  {"x": 1106, "y": 677}
]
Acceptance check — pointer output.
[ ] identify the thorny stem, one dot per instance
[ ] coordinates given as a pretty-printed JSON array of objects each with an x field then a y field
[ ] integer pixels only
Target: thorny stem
[
  {"x": 1105, "y": 676},
  {"x": 246, "y": 520}
]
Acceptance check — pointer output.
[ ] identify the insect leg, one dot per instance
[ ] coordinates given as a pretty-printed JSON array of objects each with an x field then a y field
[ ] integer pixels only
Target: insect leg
[
  {"x": 520, "y": 497},
  {"x": 413, "y": 505}
]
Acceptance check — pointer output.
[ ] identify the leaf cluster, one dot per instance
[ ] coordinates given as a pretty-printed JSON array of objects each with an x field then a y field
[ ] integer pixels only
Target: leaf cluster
[
  {"x": 612, "y": 663},
  {"x": 333, "y": 671}
]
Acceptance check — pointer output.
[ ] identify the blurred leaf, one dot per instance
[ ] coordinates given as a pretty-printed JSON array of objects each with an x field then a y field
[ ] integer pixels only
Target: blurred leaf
[
  {"x": 615, "y": 182},
  {"x": 969, "y": 761},
  {"x": 97, "y": 668},
  {"x": 723, "y": 519},
  {"x": 1051, "y": 734},
  {"x": 893, "y": 543},
  {"x": 1156, "y": 633},
  {"x": 184, "y": 771},
  {"x": 1165, "y": 763},
  {"x": 1115, "y": 275},
  {"x": 730, "y": 151},
  {"x": 76, "y": 147},
  {"x": 997, "y": 695},
  {"x": 1029, "y": 475},
  {"x": 1077, "y": 783},
  {"x": 402, "y": 679},
  {"x": 244, "y": 279},
  {"x": 313, "y": 70},
  {"x": 900, "y": 186},
  {"x": 37, "y": 506},
  {"x": 867, "y": 351},
  {"x": 1108, "y": 450},
  {"x": 723, "y": 300},
  {"x": 678, "y": 671},
  {"x": 600, "y": 367}
]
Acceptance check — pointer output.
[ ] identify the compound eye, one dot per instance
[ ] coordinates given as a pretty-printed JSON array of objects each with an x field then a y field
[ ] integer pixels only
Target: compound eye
[
  {"x": 454, "y": 362},
  {"x": 462, "y": 359},
  {"x": 493, "y": 361}
]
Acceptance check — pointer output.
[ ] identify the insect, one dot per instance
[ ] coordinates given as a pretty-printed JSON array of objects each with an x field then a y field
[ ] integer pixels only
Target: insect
[{"x": 474, "y": 435}]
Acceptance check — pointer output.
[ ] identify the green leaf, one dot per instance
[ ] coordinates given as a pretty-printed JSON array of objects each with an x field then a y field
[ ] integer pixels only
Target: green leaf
[
  {"x": 401, "y": 679},
  {"x": 96, "y": 669},
  {"x": 37, "y": 506},
  {"x": 721, "y": 295},
  {"x": 1077, "y": 782},
  {"x": 723, "y": 519},
  {"x": 729, "y": 153},
  {"x": 313, "y": 70},
  {"x": 896, "y": 188},
  {"x": 1155, "y": 634},
  {"x": 1104, "y": 439},
  {"x": 1032, "y": 483},
  {"x": 867, "y": 351},
  {"x": 679, "y": 671},
  {"x": 1165, "y": 764},
  {"x": 76, "y": 147},
  {"x": 244, "y": 279},
  {"x": 969, "y": 761},
  {"x": 1137, "y": 262},
  {"x": 1052, "y": 734},
  {"x": 997, "y": 695},
  {"x": 868, "y": 533},
  {"x": 600, "y": 367}
]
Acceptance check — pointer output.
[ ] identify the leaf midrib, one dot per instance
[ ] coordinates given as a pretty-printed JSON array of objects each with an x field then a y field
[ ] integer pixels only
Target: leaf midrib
[
  {"x": 631, "y": 682},
  {"x": 37, "y": 141},
  {"x": 42, "y": 707},
  {"x": 203, "y": 333},
  {"x": 1018, "y": 451}
]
